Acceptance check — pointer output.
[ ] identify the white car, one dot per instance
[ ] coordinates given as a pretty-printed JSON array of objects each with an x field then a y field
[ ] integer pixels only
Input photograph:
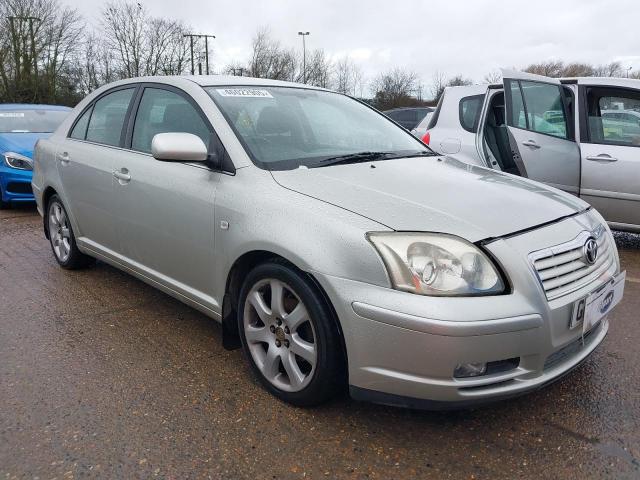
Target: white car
[{"x": 581, "y": 135}]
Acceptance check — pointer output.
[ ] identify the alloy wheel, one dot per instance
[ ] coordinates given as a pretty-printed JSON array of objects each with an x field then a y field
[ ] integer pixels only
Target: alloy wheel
[
  {"x": 59, "y": 232},
  {"x": 280, "y": 335}
]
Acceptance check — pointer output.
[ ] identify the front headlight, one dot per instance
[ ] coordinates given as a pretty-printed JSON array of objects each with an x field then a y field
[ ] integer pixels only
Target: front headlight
[
  {"x": 436, "y": 264},
  {"x": 15, "y": 160}
]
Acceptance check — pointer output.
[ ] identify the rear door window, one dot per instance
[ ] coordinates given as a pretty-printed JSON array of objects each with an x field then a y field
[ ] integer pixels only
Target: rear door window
[
  {"x": 108, "y": 117},
  {"x": 613, "y": 116}
]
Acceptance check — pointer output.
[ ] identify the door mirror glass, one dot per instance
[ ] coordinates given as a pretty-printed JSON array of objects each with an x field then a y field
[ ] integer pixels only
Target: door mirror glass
[{"x": 178, "y": 147}]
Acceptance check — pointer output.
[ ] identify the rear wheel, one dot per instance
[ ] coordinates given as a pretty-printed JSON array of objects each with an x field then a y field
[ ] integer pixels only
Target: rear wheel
[
  {"x": 62, "y": 239},
  {"x": 289, "y": 335}
]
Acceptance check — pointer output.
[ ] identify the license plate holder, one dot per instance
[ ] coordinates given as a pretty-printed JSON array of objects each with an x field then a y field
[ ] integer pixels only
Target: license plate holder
[{"x": 589, "y": 310}]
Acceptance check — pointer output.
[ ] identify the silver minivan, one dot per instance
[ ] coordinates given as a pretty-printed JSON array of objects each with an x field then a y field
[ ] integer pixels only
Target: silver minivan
[
  {"x": 331, "y": 244},
  {"x": 581, "y": 135}
]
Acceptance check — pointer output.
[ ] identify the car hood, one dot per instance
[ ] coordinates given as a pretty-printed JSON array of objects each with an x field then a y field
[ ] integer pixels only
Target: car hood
[
  {"x": 22, "y": 143},
  {"x": 435, "y": 194}
]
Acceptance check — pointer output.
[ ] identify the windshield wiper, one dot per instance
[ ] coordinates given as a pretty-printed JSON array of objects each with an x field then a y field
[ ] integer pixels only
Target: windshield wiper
[
  {"x": 421, "y": 153},
  {"x": 353, "y": 158}
]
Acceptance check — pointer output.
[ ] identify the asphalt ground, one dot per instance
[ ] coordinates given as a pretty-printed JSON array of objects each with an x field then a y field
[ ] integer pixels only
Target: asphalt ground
[{"x": 102, "y": 376}]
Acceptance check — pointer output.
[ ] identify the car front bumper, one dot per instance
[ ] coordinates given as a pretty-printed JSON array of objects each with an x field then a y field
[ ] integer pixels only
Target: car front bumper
[
  {"x": 16, "y": 184},
  {"x": 403, "y": 348}
]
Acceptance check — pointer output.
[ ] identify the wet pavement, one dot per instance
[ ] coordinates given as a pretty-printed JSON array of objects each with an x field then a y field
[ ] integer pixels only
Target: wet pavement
[{"x": 102, "y": 376}]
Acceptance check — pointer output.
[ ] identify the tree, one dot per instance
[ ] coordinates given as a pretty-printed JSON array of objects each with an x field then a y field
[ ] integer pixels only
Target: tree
[
  {"x": 37, "y": 42},
  {"x": 143, "y": 45},
  {"x": 551, "y": 68},
  {"x": 394, "y": 88},
  {"x": 440, "y": 83},
  {"x": 319, "y": 69},
  {"x": 270, "y": 60},
  {"x": 347, "y": 77},
  {"x": 494, "y": 76}
]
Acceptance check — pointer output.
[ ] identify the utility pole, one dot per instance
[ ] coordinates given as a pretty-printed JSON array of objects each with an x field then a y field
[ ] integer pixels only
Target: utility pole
[
  {"x": 206, "y": 49},
  {"x": 304, "y": 56}
]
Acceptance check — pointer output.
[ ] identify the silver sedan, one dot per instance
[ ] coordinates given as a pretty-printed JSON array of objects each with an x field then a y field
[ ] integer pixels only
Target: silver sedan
[{"x": 332, "y": 245}]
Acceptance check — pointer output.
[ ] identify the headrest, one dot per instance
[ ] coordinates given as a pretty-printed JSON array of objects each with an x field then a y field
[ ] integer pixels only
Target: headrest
[{"x": 274, "y": 120}]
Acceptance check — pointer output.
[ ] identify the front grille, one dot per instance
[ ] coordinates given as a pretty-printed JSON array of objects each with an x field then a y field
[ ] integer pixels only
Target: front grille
[
  {"x": 19, "y": 187},
  {"x": 571, "y": 349},
  {"x": 563, "y": 269}
]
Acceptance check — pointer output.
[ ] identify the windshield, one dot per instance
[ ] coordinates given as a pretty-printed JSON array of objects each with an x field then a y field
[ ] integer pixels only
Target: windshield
[
  {"x": 284, "y": 128},
  {"x": 31, "y": 121}
]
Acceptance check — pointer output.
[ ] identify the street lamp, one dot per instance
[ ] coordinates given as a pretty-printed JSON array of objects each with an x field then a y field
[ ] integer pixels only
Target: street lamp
[
  {"x": 628, "y": 70},
  {"x": 304, "y": 57}
]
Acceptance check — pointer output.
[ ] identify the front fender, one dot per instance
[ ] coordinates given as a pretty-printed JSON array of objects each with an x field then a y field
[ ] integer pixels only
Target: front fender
[{"x": 313, "y": 235}]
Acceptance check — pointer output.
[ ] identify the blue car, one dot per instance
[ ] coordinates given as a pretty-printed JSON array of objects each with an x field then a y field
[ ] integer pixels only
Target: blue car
[{"x": 21, "y": 126}]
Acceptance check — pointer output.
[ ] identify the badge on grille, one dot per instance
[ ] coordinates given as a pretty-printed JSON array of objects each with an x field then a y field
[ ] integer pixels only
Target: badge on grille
[{"x": 591, "y": 251}]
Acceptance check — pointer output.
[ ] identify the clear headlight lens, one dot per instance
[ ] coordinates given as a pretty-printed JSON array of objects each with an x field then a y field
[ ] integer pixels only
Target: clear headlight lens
[
  {"x": 15, "y": 160},
  {"x": 436, "y": 264}
]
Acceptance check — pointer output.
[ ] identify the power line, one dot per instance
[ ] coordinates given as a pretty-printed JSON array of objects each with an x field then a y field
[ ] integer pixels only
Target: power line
[{"x": 206, "y": 49}]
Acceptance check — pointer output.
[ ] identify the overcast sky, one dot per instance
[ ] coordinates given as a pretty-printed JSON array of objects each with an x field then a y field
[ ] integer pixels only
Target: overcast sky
[{"x": 468, "y": 37}]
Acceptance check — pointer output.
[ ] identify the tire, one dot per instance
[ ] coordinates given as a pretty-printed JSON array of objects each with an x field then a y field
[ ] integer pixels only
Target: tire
[
  {"x": 293, "y": 346},
  {"x": 62, "y": 239}
]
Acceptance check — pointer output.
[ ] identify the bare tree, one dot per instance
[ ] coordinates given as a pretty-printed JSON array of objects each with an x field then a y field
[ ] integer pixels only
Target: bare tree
[
  {"x": 347, "y": 77},
  {"x": 141, "y": 44},
  {"x": 270, "y": 60},
  {"x": 319, "y": 69},
  {"x": 551, "y": 68},
  {"x": 394, "y": 88},
  {"x": 613, "y": 69},
  {"x": 440, "y": 82},
  {"x": 37, "y": 42},
  {"x": 494, "y": 76}
]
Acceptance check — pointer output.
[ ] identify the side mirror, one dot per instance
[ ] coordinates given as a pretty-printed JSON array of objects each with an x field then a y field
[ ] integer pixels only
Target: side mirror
[{"x": 178, "y": 147}]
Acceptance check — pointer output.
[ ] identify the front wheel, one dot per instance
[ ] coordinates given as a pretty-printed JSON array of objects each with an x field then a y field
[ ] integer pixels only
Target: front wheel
[
  {"x": 62, "y": 239},
  {"x": 289, "y": 335}
]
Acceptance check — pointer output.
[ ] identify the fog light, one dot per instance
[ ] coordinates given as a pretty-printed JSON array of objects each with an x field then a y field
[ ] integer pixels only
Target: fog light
[{"x": 465, "y": 370}]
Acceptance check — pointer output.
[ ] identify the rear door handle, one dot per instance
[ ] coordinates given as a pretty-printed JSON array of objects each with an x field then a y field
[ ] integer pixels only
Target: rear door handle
[
  {"x": 122, "y": 175},
  {"x": 64, "y": 158},
  {"x": 603, "y": 157},
  {"x": 530, "y": 143}
]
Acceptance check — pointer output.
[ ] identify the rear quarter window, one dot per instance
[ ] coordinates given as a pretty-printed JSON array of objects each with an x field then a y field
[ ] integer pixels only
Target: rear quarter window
[{"x": 469, "y": 111}]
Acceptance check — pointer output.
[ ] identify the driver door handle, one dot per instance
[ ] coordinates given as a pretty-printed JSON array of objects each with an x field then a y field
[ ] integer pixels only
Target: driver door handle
[
  {"x": 530, "y": 143},
  {"x": 603, "y": 157}
]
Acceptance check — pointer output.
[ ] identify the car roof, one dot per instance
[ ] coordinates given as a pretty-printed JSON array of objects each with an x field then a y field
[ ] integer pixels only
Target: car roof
[
  {"x": 224, "y": 80},
  {"x": 399, "y": 109},
  {"x": 32, "y": 106},
  {"x": 605, "y": 81},
  {"x": 461, "y": 91}
]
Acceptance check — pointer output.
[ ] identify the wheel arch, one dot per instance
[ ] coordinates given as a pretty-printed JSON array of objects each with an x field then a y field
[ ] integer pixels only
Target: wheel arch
[
  {"x": 46, "y": 195},
  {"x": 240, "y": 268}
]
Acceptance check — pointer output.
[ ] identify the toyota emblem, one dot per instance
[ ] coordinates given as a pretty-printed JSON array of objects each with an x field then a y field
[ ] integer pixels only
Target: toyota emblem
[{"x": 591, "y": 251}]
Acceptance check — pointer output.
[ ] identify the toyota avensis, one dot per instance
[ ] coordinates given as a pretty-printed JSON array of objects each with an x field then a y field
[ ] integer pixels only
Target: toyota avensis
[{"x": 330, "y": 243}]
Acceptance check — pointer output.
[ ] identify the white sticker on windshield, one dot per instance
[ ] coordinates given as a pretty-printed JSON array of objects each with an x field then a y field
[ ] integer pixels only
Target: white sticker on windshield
[
  {"x": 244, "y": 92},
  {"x": 11, "y": 114}
]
